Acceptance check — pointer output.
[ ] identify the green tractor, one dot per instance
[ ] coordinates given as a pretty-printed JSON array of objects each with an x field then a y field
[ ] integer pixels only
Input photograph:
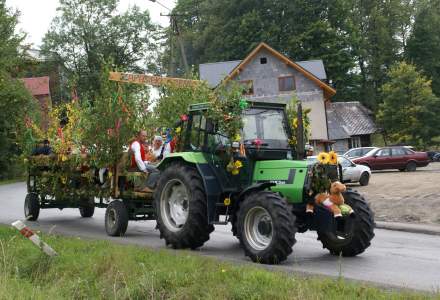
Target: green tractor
[{"x": 265, "y": 202}]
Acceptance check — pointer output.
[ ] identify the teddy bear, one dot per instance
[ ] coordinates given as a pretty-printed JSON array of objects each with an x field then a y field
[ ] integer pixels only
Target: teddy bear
[{"x": 333, "y": 201}]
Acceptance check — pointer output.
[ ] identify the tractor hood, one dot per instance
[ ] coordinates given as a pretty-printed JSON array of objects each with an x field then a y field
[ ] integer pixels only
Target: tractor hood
[
  {"x": 283, "y": 164},
  {"x": 288, "y": 175}
]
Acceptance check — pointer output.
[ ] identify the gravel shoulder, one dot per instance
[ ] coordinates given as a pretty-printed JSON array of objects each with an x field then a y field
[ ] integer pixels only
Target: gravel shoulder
[{"x": 408, "y": 197}]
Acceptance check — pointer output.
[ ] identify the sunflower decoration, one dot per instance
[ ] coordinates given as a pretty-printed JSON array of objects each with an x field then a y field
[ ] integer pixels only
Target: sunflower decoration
[
  {"x": 324, "y": 158},
  {"x": 234, "y": 167},
  {"x": 333, "y": 158}
]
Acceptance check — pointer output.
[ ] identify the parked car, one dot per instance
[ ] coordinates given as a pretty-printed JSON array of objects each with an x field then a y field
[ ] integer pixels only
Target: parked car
[
  {"x": 434, "y": 155},
  {"x": 400, "y": 158},
  {"x": 351, "y": 172},
  {"x": 358, "y": 152}
]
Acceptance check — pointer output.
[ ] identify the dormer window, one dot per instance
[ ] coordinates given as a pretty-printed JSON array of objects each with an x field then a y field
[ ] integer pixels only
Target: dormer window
[
  {"x": 263, "y": 60},
  {"x": 286, "y": 83}
]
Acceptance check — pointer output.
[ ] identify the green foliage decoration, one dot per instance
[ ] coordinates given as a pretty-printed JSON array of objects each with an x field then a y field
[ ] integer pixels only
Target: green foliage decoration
[{"x": 292, "y": 115}]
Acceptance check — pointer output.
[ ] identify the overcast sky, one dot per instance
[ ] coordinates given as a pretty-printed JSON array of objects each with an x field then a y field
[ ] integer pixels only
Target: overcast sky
[{"x": 36, "y": 15}]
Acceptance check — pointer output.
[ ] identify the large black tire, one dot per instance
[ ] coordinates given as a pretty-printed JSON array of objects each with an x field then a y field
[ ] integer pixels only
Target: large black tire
[
  {"x": 361, "y": 233},
  {"x": 183, "y": 224},
  {"x": 31, "y": 207},
  {"x": 365, "y": 178},
  {"x": 270, "y": 240},
  {"x": 87, "y": 208},
  {"x": 411, "y": 166},
  {"x": 116, "y": 218}
]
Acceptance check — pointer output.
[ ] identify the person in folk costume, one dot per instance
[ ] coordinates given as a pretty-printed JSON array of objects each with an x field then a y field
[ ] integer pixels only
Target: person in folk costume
[
  {"x": 160, "y": 148},
  {"x": 141, "y": 158}
]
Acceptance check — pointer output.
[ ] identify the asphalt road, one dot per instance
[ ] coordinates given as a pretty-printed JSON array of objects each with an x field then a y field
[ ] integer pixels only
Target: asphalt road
[{"x": 395, "y": 259}]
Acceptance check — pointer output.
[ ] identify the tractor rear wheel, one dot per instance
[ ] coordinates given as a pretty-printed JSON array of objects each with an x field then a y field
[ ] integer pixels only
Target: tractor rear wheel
[
  {"x": 355, "y": 234},
  {"x": 116, "y": 218},
  {"x": 87, "y": 208},
  {"x": 181, "y": 207},
  {"x": 31, "y": 207},
  {"x": 266, "y": 227}
]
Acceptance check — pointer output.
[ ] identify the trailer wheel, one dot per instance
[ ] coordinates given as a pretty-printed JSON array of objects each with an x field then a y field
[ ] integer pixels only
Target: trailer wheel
[
  {"x": 356, "y": 233},
  {"x": 181, "y": 207},
  {"x": 31, "y": 207},
  {"x": 266, "y": 227},
  {"x": 87, "y": 208},
  {"x": 116, "y": 218}
]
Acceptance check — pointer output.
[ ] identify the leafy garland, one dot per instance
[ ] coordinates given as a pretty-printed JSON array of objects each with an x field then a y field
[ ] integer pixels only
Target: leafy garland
[
  {"x": 292, "y": 116},
  {"x": 226, "y": 110}
]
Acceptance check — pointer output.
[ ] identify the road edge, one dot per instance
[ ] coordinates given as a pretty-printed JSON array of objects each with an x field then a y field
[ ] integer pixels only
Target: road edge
[{"x": 408, "y": 227}]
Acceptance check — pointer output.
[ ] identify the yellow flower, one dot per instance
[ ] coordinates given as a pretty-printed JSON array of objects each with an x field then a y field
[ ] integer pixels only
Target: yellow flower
[
  {"x": 295, "y": 123},
  {"x": 63, "y": 157},
  {"x": 235, "y": 172},
  {"x": 178, "y": 129},
  {"x": 227, "y": 201},
  {"x": 63, "y": 180},
  {"x": 333, "y": 157},
  {"x": 237, "y": 138},
  {"x": 238, "y": 164},
  {"x": 230, "y": 166},
  {"x": 323, "y": 158}
]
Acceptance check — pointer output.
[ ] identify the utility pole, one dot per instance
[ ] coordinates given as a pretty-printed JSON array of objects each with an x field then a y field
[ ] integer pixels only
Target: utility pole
[{"x": 175, "y": 28}]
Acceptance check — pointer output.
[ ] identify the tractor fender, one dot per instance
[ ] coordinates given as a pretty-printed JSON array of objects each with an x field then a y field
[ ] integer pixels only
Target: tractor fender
[{"x": 255, "y": 187}]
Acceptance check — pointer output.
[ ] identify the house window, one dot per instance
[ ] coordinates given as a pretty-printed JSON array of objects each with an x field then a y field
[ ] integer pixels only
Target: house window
[
  {"x": 263, "y": 60},
  {"x": 286, "y": 83},
  {"x": 355, "y": 142},
  {"x": 248, "y": 87}
]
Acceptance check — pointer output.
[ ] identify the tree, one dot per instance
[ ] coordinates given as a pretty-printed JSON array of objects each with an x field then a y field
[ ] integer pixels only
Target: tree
[
  {"x": 357, "y": 40},
  {"x": 87, "y": 34},
  {"x": 15, "y": 102},
  {"x": 424, "y": 43},
  {"x": 410, "y": 112}
]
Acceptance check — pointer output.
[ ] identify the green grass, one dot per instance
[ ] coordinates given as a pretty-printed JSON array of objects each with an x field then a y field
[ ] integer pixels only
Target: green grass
[
  {"x": 9, "y": 181},
  {"x": 102, "y": 270}
]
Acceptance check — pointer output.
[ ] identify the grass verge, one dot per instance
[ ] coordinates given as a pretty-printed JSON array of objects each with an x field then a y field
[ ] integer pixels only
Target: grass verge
[
  {"x": 102, "y": 270},
  {"x": 9, "y": 181}
]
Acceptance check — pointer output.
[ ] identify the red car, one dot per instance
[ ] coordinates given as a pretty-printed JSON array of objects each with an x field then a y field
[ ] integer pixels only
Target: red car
[{"x": 400, "y": 158}]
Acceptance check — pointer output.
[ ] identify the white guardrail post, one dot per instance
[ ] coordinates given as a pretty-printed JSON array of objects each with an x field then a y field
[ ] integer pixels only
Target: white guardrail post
[{"x": 29, "y": 234}]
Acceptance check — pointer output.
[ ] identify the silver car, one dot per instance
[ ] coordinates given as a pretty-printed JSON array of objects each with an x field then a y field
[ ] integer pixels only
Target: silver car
[
  {"x": 358, "y": 152},
  {"x": 351, "y": 172}
]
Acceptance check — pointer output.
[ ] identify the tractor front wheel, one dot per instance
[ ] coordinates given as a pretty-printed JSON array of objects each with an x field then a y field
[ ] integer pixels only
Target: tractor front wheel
[
  {"x": 181, "y": 207},
  {"x": 354, "y": 233},
  {"x": 266, "y": 227}
]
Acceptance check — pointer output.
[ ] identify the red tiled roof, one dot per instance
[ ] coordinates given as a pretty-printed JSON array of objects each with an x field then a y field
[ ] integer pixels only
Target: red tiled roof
[{"x": 37, "y": 85}]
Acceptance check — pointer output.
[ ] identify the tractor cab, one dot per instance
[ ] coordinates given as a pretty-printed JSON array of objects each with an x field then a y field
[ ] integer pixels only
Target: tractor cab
[{"x": 265, "y": 132}]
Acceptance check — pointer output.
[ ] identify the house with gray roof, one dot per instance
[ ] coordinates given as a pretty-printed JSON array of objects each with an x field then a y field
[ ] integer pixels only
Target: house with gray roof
[
  {"x": 350, "y": 125},
  {"x": 273, "y": 77}
]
